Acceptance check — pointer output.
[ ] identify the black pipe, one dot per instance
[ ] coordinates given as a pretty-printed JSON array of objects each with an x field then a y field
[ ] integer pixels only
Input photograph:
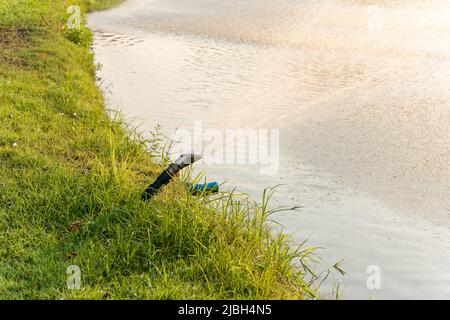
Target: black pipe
[{"x": 167, "y": 175}]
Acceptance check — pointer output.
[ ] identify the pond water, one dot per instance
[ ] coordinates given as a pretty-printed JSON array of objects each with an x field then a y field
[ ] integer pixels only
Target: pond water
[{"x": 359, "y": 92}]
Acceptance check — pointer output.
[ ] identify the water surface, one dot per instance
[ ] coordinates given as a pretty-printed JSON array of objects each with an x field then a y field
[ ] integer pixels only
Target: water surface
[{"x": 360, "y": 91}]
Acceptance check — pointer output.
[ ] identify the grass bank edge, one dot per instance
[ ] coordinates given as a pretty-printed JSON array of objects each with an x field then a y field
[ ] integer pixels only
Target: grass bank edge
[{"x": 71, "y": 178}]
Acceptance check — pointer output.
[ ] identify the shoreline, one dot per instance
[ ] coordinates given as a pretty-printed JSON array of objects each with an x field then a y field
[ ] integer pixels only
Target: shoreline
[
  {"x": 333, "y": 212},
  {"x": 72, "y": 179}
]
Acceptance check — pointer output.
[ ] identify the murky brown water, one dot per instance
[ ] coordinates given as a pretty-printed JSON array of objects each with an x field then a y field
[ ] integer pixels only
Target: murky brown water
[{"x": 361, "y": 95}]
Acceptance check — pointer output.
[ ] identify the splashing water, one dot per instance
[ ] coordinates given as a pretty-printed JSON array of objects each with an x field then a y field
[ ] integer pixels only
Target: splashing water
[{"x": 360, "y": 91}]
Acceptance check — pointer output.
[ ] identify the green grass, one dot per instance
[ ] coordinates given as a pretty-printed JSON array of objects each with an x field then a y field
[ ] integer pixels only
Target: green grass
[
  {"x": 101, "y": 4},
  {"x": 70, "y": 185}
]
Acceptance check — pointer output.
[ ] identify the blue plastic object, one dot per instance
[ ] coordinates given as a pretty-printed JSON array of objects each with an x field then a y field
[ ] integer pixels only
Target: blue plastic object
[{"x": 212, "y": 187}]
